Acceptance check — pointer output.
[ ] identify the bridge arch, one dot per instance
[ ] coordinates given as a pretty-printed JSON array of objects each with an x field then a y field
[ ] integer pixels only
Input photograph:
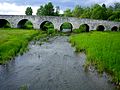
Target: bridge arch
[
  {"x": 45, "y": 25},
  {"x": 85, "y": 27},
  {"x": 25, "y": 23},
  {"x": 114, "y": 28},
  {"x": 100, "y": 28},
  {"x": 66, "y": 27},
  {"x": 4, "y": 23}
]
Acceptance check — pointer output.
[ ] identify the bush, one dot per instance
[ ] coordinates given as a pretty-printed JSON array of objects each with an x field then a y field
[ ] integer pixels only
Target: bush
[
  {"x": 50, "y": 31},
  {"x": 78, "y": 30}
]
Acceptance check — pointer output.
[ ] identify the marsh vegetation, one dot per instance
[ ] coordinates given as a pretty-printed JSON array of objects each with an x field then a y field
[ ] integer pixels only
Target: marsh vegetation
[{"x": 102, "y": 50}]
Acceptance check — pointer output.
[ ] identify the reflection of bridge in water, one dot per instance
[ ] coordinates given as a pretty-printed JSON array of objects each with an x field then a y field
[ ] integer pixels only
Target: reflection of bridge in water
[{"x": 17, "y": 21}]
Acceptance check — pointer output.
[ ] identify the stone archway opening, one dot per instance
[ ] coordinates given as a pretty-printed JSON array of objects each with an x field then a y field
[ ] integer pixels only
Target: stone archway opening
[
  {"x": 66, "y": 27},
  {"x": 25, "y": 24},
  {"x": 46, "y": 25},
  {"x": 115, "y": 28},
  {"x": 4, "y": 24},
  {"x": 84, "y": 28},
  {"x": 100, "y": 28}
]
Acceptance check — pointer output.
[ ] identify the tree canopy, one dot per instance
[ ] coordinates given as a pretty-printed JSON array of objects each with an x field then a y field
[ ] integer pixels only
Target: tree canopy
[
  {"x": 101, "y": 12},
  {"x": 95, "y": 12},
  {"x": 68, "y": 13},
  {"x": 77, "y": 11},
  {"x": 28, "y": 11},
  {"x": 46, "y": 10}
]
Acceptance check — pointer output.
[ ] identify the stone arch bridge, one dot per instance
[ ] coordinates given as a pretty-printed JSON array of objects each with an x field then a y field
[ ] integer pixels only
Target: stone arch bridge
[{"x": 16, "y": 21}]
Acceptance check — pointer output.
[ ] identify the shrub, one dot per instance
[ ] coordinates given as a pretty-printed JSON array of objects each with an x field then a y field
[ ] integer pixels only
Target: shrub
[
  {"x": 78, "y": 30},
  {"x": 50, "y": 31}
]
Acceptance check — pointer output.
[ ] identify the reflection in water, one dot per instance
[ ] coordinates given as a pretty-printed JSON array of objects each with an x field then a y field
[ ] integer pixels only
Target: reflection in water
[{"x": 51, "y": 66}]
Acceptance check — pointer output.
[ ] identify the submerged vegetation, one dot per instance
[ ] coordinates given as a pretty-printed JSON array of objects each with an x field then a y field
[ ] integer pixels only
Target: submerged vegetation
[
  {"x": 14, "y": 41},
  {"x": 102, "y": 49}
]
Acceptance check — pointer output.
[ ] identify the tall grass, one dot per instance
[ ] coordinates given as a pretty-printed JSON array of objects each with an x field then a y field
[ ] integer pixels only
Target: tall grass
[
  {"x": 102, "y": 49},
  {"x": 14, "y": 41}
]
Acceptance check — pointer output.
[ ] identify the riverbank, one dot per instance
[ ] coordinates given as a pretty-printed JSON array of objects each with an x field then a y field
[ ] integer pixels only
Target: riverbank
[
  {"x": 15, "y": 41},
  {"x": 102, "y": 50},
  {"x": 51, "y": 66}
]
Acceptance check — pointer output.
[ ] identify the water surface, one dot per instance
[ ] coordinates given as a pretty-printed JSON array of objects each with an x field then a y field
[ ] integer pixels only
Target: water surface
[{"x": 52, "y": 66}]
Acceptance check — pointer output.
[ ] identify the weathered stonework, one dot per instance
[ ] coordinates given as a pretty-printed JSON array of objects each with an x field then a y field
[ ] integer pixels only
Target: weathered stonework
[{"x": 58, "y": 21}]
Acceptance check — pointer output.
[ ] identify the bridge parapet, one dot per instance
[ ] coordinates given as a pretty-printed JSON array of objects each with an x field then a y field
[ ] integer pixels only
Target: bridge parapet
[{"x": 58, "y": 21}]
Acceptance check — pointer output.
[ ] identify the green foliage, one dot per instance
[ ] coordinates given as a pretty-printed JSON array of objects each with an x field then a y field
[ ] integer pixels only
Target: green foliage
[
  {"x": 96, "y": 12},
  {"x": 77, "y": 31},
  {"x": 115, "y": 16},
  {"x": 28, "y": 25},
  {"x": 40, "y": 11},
  {"x": 102, "y": 49},
  {"x": 51, "y": 31},
  {"x": 14, "y": 41},
  {"x": 77, "y": 11},
  {"x": 99, "y": 12},
  {"x": 46, "y": 26},
  {"x": 25, "y": 87},
  {"x": 117, "y": 6},
  {"x": 66, "y": 25},
  {"x": 86, "y": 13},
  {"x": 28, "y": 11},
  {"x": 46, "y": 10},
  {"x": 82, "y": 28},
  {"x": 68, "y": 13}
]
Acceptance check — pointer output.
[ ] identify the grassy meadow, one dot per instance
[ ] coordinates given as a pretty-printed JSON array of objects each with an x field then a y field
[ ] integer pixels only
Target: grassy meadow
[
  {"x": 102, "y": 50},
  {"x": 15, "y": 41}
]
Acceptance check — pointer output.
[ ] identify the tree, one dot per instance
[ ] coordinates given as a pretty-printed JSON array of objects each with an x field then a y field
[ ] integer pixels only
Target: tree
[
  {"x": 49, "y": 9},
  {"x": 115, "y": 16},
  {"x": 78, "y": 10},
  {"x": 46, "y": 10},
  {"x": 40, "y": 11},
  {"x": 104, "y": 6},
  {"x": 28, "y": 11},
  {"x": 109, "y": 12},
  {"x": 117, "y": 6},
  {"x": 99, "y": 12},
  {"x": 67, "y": 13},
  {"x": 86, "y": 13}
]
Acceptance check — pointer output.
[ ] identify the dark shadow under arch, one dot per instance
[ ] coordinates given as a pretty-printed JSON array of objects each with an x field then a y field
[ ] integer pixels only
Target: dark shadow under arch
[
  {"x": 84, "y": 27},
  {"x": 46, "y": 25},
  {"x": 100, "y": 28},
  {"x": 25, "y": 24},
  {"x": 115, "y": 28},
  {"x": 66, "y": 27},
  {"x": 4, "y": 23}
]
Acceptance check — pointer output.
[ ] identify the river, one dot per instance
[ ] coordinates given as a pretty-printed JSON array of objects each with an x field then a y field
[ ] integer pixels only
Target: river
[{"x": 51, "y": 66}]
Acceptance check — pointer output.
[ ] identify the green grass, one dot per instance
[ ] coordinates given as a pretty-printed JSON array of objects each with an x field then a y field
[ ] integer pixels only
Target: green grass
[
  {"x": 15, "y": 41},
  {"x": 102, "y": 49}
]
